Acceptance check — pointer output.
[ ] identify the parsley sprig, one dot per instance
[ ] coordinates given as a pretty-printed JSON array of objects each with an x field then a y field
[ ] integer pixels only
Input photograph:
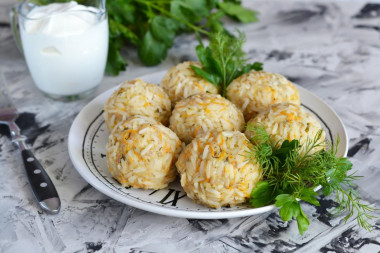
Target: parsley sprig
[
  {"x": 152, "y": 25},
  {"x": 223, "y": 60},
  {"x": 292, "y": 171}
]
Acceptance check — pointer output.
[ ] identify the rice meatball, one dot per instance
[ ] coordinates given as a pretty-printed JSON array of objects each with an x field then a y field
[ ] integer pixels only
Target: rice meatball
[
  {"x": 142, "y": 153},
  {"x": 255, "y": 91},
  {"x": 215, "y": 171},
  {"x": 288, "y": 121},
  {"x": 137, "y": 97},
  {"x": 181, "y": 82},
  {"x": 202, "y": 113}
]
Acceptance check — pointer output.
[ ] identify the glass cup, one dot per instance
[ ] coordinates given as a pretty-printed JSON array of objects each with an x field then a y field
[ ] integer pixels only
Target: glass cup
[{"x": 65, "y": 45}]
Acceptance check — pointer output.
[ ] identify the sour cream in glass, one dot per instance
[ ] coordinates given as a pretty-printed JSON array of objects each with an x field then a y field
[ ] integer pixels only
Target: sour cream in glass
[{"x": 65, "y": 46}]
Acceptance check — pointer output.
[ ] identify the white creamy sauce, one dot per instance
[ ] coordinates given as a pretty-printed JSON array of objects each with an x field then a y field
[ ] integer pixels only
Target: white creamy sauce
[{"x": 65, "y": 46}]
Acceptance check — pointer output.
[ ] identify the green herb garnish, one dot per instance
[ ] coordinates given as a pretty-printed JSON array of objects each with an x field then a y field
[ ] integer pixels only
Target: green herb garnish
[
  {"x": 152, "y": 25},
  {"x": 223, "y": 60},
  {"x": 292, "y": 171}
]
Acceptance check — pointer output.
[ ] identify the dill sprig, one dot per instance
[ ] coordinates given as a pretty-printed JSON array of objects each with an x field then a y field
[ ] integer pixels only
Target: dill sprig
[{"x": 292, "y": 171}]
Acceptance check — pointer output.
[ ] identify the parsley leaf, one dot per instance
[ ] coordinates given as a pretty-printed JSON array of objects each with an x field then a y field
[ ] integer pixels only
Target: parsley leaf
[
  {"x": 309, "y": 195},
  {"x": 163, "y": 29},
  {"x": 255, "y": 66},
  {"x": 206, "y": 75},
  {"x": 152, "y": 51},
  {"x": 115, "y": 62},
  {"x": 263, "y": 194},
  {"x": 291, "y": 208},
  {"x": 302, "y": 221},
  {"x": 189, "y": 10},
  {"x": 236, "y": 11}
]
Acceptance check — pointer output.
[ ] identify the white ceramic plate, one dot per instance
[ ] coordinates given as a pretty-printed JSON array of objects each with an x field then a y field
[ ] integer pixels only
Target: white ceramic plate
[{"x": 87, "y": 141}]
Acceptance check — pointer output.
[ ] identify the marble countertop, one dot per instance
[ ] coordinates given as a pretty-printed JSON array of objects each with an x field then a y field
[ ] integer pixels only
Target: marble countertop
[{"x": 330, "y": 48}]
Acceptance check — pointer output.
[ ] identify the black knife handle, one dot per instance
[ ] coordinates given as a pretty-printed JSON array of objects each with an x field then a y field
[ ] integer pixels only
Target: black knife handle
[{"x": 42, "y": 186}]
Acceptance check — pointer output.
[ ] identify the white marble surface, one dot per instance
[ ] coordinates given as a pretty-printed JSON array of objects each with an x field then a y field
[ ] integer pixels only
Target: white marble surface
[{"x": 331, "y": 48}]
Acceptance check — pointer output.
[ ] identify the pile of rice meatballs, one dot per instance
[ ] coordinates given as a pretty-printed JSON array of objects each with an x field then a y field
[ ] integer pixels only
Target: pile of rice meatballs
[{"x": 184, "y": 127}]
